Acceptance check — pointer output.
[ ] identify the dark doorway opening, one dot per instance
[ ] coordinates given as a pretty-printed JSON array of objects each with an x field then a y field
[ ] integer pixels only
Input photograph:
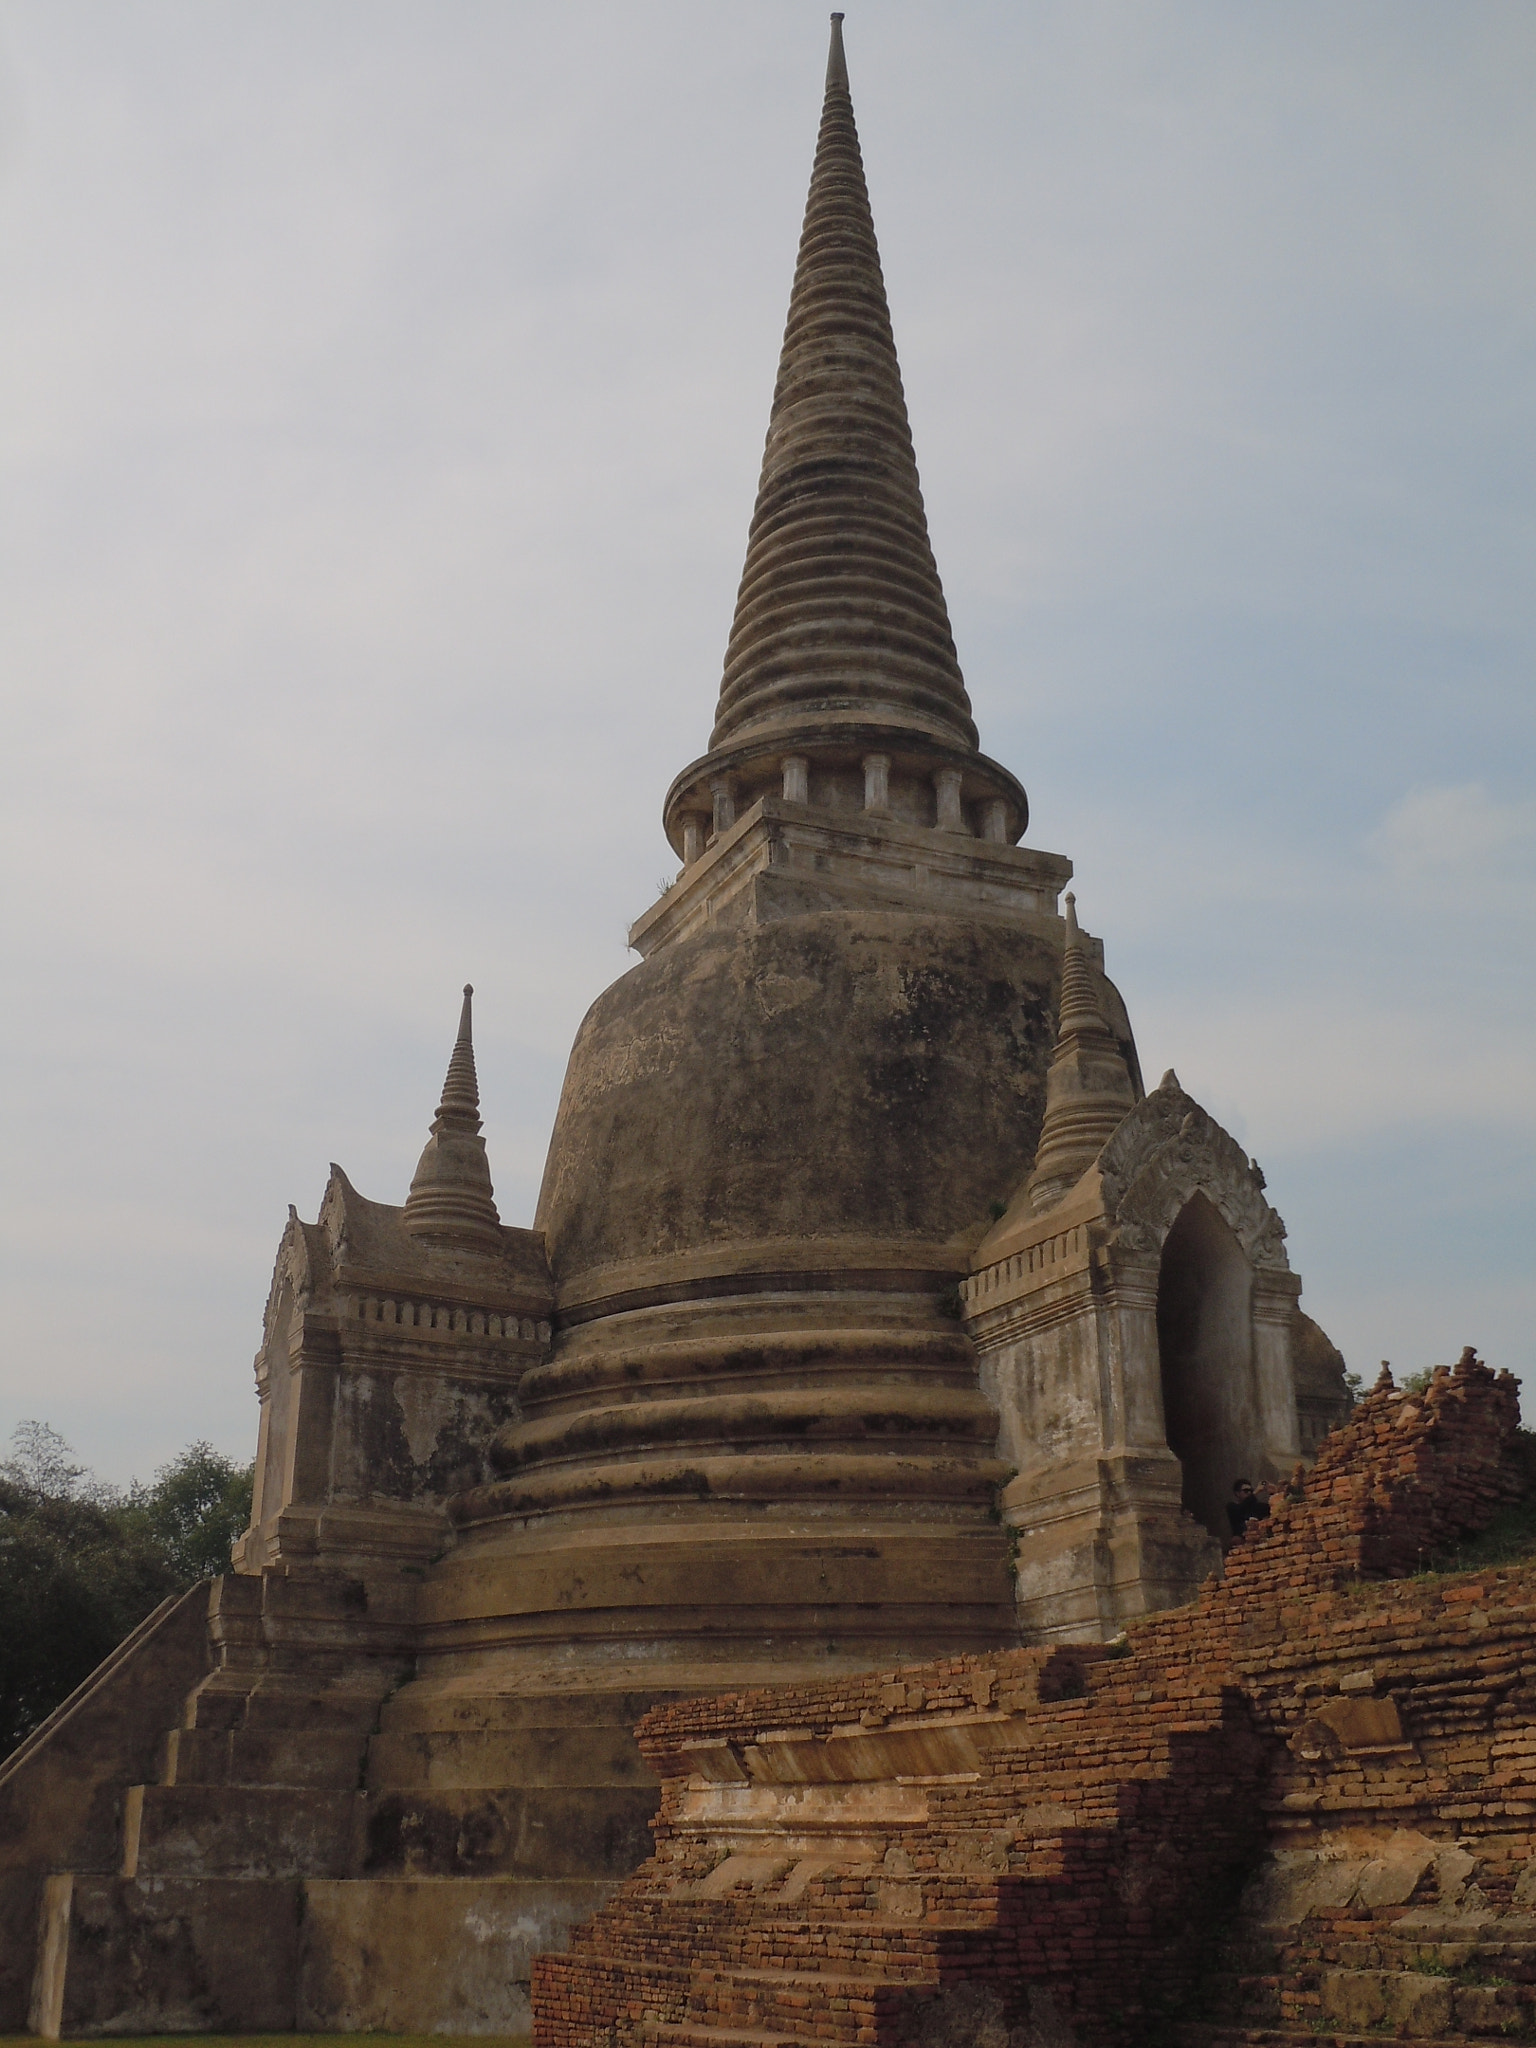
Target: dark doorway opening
[{"x": 1205, "y": 1350}]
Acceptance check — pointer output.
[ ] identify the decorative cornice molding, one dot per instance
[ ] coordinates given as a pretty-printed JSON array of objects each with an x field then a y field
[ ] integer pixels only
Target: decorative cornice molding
[{"x": 447, "y": 1318}]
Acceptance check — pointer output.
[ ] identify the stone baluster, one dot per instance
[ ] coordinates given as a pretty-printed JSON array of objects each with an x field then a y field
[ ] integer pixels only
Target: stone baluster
[{"x": 947, "y": 787}]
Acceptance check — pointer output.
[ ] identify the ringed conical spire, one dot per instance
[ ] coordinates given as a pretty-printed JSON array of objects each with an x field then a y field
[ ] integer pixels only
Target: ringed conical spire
[
  {"x": 1088, "y": 1088},
  {"x": 840, "y": 615},
  {"x": 840, "y": 673},
  {"x": 451, "y": 1198}
]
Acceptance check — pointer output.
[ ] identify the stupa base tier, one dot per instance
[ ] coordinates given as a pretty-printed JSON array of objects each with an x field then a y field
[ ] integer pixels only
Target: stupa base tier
[{"x": 718, "y": 1598}]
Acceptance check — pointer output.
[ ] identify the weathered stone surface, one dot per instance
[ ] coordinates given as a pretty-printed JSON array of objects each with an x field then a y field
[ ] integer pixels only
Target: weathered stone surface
[
  {"x": 241, "y": 1831},
  {"x": 563, "y": 1831},
  {"x": 305, "y": 1756},
  {"x": 400, "y": 1955},
  {"x": 696, "y": 1082},
  {"x": 1089, "y": 1088},
  {"x": 20, "y": 1898},
  {"x": 388, "y": 1359},
  {"x": 159, "y": 1955}
]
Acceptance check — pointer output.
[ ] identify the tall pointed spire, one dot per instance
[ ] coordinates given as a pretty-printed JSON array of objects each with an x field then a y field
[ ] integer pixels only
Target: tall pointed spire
[
  {"x": 840, "y": 648},
  {"x": 837, "y": 62},
  {"x": 451, "y": 1198},
  {"x": 1088, "y": 1089},
  {"x": 840, "y": 612}
]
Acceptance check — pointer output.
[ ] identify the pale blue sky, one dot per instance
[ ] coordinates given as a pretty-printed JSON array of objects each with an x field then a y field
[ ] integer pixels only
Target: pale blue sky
[{"x": 384, "y": 388}]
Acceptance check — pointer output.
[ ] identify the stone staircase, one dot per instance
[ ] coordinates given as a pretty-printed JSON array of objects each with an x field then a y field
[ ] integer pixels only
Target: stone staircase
[
  {"x": 548, "y": 1786},
  {"x": 325, "y": 1846}
]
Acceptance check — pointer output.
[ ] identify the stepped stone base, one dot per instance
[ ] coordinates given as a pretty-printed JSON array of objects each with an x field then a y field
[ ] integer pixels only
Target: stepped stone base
[
  {"x": 292, "y": 1839},
  {"x": 158, "y": 1955}
]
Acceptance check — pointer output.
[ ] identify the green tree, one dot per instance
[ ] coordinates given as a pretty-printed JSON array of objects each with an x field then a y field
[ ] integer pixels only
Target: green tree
[
  {"x": 82, "y": 1564},
  {"x": 195, "y": 1509}
]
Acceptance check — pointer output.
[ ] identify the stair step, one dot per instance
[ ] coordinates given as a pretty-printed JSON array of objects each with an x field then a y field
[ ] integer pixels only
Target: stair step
[
  {"x": 824, "y": 2005},
  {"x": 450, "y": 1760},
  {"x": 240, "y": 1831},
  {"x": 273, "y": 1702},
  {"x": 321, "y": 1759},
  {"x": 840, "y": 1982},
  {"x": 691, "y": 2034},
  {"x": 510, "y": 1831}
]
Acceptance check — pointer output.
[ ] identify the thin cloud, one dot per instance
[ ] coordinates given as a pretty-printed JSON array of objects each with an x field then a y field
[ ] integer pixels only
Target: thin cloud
[{"x": 1457, "y": 840}]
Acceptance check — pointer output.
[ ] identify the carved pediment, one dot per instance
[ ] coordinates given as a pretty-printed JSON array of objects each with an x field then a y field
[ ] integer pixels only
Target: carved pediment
[
  {"x": 358, "y": 1245},
  {"x": 1168, "y": 1149},
  {"x": 339, "y": 1196},
  {"x": 294, "y": 1270}
]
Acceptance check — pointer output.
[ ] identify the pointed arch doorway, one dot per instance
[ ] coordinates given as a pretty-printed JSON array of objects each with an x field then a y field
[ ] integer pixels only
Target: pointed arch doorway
[{"x": 1205, "y": 1357}]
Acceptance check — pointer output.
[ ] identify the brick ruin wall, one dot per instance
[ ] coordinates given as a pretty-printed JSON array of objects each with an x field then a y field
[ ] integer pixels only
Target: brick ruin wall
[{"x": 1300, "y": 1807}]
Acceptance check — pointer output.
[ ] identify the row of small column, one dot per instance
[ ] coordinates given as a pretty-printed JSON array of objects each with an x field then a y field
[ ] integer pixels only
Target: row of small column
[{"x": 796, "y": 770}]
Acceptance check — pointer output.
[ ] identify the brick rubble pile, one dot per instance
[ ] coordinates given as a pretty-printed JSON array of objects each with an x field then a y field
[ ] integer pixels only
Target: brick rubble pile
[{"x": 1274, "y": 1816}]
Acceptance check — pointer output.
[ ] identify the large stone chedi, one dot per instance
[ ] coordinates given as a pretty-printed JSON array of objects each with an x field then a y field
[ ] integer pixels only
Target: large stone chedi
[{"x": 872, "y": 1312}]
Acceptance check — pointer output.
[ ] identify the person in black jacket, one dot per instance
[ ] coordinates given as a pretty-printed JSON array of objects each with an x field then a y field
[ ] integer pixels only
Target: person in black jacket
[{"x": 1244, "y": 1506}]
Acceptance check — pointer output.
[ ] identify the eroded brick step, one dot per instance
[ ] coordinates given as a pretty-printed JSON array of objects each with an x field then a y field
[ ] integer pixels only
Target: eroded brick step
[
  {"x": 690, "y": 2034},
  {"x": 228, "y": 1701},
  {"x": 1468, "y": 1995},
  {"x": 816, "y": 2020},
  {"x": 1403, "y": 1951},
  {"x": 844, "y": 1983},
  {"x": 812, "y": 1971},
  {"x": 805, "y": 2005},
  {"x": 912, "y": 1937},
  {"x": 888, "y": 1946}
]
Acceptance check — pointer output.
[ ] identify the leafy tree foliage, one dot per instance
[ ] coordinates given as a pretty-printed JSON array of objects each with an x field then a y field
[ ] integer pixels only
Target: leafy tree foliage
[
  {"x": 82, "y": 1564},
  {"x": 197, "y": 1506}
]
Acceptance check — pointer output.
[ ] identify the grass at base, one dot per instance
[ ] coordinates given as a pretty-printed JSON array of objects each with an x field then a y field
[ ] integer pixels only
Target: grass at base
[{"x": 296, "y": 2040}]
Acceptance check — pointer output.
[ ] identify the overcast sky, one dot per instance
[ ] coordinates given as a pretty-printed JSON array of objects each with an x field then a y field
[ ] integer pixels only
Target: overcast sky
[{"x": 384, "y": 385}]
